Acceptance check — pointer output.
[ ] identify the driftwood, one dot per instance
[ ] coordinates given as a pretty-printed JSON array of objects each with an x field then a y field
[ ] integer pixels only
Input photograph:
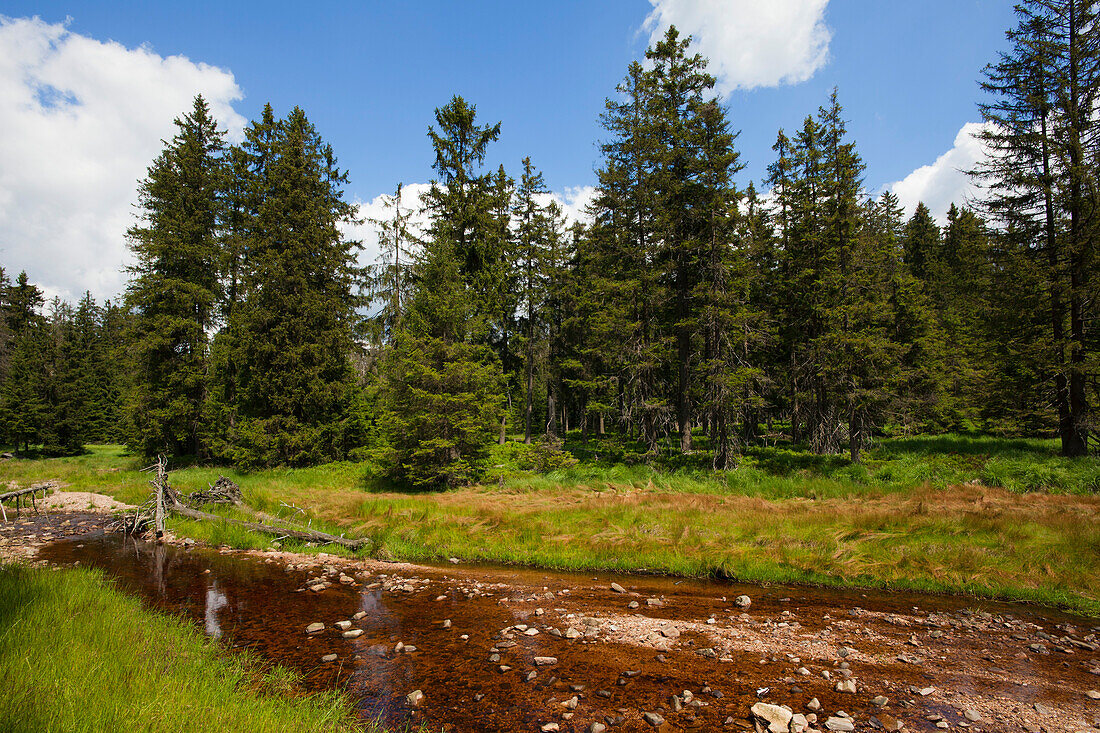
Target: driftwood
[
  {"x": 224, "y": 491},
  {"x": 166, "y": 500},
  {"x": 298, "y": 534},
  {"x": 19, "y": 493}
]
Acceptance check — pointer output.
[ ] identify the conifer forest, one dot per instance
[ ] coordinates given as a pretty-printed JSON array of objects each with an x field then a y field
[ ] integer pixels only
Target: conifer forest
[{"x": 692, "y": 313}]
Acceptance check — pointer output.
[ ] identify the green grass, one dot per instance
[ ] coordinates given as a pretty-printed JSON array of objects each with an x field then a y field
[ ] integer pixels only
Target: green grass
[
  {"x": 989, "y": 517},
  {"x": 77, "y": 655}
]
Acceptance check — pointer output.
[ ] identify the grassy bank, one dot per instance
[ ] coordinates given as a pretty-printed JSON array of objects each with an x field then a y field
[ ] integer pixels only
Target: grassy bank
[
  {"x": 77, "y": 655},
  {"x": 989, "y": 517}
]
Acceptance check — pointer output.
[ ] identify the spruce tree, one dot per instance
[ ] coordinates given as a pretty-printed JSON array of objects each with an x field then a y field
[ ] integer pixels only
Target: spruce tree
[
  {"x": 174, "y": 286},
  {"x": 292, "y": 333},
  {"x": 1040, "y": 179}
]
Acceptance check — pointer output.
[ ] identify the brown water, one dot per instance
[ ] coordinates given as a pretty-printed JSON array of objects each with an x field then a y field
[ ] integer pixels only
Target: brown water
[{"x": 981, "y": 659}]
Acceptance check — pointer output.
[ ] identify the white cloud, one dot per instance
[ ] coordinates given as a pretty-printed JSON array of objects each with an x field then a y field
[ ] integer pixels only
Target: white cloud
[
  {"x": 80, "y": 122},
  {"x": 750, "y": 43},
  {"x": 945, "y": 181},
  {"x": 375, "y": 210},
  {"x": 573, "y": 202}
]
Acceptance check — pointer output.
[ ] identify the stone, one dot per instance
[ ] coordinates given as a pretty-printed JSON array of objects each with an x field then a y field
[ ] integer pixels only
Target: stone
[
  {"x": 353, "y": 634},
  {"x": 360, "y": 615},
  {"x": 572, "y": 633},
  {"x": 328, "y": 658},
  {"x": 669, "y": 632},
  {"x": 803, "y": 671},
  {"x": 315, "y": 627},
  {"x": 842, "y": 724},
  {"x": 799, "y": 723},
  {"x": 343, "y": 625},
  {"x": 618, "y": 588},
  {"x": 880, "y": 701},
  {"x": 597, "y": 728},
  {"x": 550, "y": 727},
  {"x": 846, "y": 686},
  {"x": 777, "y": 719},
  {"x": 571, "y": 703},
  {"x": 545, "y": 661},
  {"x": 743, "y": 601},
  {"x": 654, "y": 602},
  {"x": 654, "y": 719},
  {"x": 814, "y": 705},
  {"x": 446, "y": 623},
  {"x": 708, "y": 653},
  {"x": 633, "y": 604},
  {"x": 530, "y": 675},
  {"x": 972, "y": 715},
  {"x": 1042, "y": 709},
  {"x": 1093, "y": 695},
  {"x": 414, "y": 697}
]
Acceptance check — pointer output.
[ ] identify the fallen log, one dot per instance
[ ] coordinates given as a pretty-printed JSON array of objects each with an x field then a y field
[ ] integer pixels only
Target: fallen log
[
  {"x": 32, "y": 490},
  {"x": 306, "y": 535}
]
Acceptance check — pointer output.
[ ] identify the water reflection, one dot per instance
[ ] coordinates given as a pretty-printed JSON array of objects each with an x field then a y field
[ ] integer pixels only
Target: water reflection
[{"x": 215, "y": 601}]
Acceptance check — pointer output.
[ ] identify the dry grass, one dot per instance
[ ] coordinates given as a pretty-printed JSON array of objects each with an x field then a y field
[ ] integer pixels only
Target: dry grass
[{"x": 802, "y": 526}]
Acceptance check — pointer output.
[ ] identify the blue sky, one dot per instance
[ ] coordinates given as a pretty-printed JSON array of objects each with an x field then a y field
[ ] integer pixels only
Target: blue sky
[{"x": 370, "y": 74}]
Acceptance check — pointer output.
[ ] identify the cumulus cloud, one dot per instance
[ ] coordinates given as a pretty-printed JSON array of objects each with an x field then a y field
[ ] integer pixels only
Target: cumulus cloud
[
  {"x": 573, "y": 201},
  {"x": 750, "y": 43},
  {"x": 378, "y": 209},
  {"x": 944, "y": 182},
  {"x": 80, "y": 122}
]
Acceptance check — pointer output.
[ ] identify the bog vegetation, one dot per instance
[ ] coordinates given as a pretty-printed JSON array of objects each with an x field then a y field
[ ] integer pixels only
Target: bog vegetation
[{"x": 689, "y": 314}]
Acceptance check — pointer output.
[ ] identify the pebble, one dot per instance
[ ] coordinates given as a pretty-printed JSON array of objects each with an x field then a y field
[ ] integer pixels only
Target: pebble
[
  {"x": 632, "y": 604},
  {"x": 353, "y": 634},
  {"x": 414, "y": 697},
  {"x": 654, "y": 719},
  {"x": 315, "y": 627},
  {"x": 597, "y": 728},
  {"x": 1093, "y": 695},
  {"x": 618, "y": 588},
  {"x": 846, "y": 686},
  {"x": 880, "y": 701},
  {"x": 359, "y": 615},
  {"x": 328, "y": 658},
  {"x": 743, "y": 601},
  {"x": 841, "y": 724},
  {"x": 550, "y": 727},
  {"x": 814, "y": 705},
  {"x": 972, "y": 715},
  {"x": 545, "y": 661},
  {"x": 343, "y": 625}
]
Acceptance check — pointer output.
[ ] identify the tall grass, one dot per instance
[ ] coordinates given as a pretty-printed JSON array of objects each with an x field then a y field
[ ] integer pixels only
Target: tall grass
[
  {"x": 76, "y": 655},
  {"x": 995, "y": 517}
]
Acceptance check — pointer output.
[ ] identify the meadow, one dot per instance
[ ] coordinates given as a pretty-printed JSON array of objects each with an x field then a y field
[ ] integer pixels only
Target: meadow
[{"x": 984, "y": 516}]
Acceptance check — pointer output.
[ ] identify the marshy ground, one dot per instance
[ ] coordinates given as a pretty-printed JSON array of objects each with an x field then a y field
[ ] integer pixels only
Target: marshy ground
[{"x": 679, "y": 649}]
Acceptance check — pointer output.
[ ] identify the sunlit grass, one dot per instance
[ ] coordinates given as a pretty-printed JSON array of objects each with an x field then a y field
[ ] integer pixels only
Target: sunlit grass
[
  {"x": 77, "y": 655},
  {"x": 987, "y": 516}
]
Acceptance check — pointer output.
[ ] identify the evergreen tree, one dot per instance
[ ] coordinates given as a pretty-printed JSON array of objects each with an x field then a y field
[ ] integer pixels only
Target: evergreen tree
[
  {"x": 921, "y": 242},
  {"x": 390, "y": 279},
  {"x": 1040, "y": 178},
  {"x": 291, "y": 342},
  {"x": 174, "y": 285}
]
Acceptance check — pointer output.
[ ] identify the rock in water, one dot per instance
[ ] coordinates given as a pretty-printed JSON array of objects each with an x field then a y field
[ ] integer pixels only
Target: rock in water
[
  {"x": 315, "y": 627},
  {"x": 618, "y": 588},
  {"x": 841, "y": 724},
  {"x": 777, "y": 719},
  {"x": 743, "y": 601},
  {"x": 654, "y": 719},
  {"x": 414, "y": 698}
]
